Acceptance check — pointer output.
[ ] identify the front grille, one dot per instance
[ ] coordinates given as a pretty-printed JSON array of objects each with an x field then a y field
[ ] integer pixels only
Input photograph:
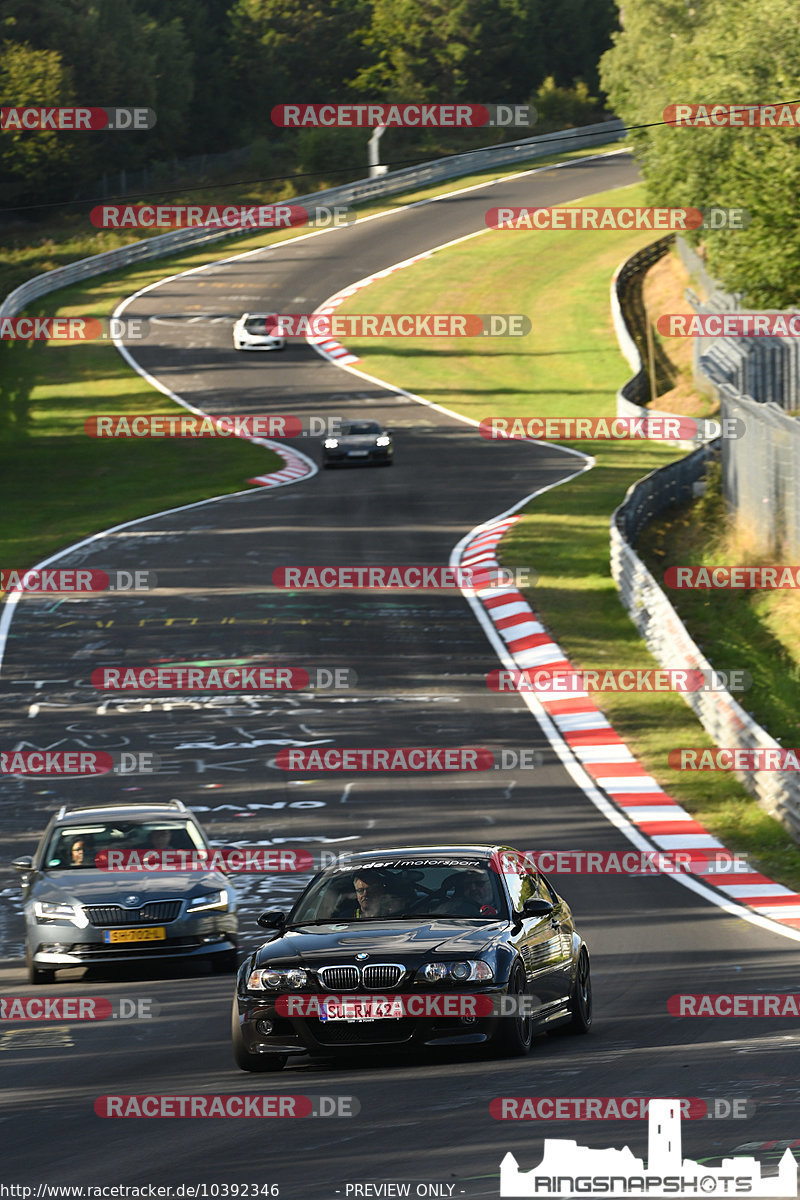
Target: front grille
[
  {"x": 345, "y": 1033},
  {"x": 339, "y": 979},
  {"x": 153, "y": 913},
  {"x": 100, "y": 952},
  {"x": 382, "y": 975}
]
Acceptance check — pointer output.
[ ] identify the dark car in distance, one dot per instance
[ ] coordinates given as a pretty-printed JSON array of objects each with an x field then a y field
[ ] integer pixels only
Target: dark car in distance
[
  {"x": 80, "y": 913},
  {"x": 429, "y": 947},
  {"x": 363, "y": 442}
]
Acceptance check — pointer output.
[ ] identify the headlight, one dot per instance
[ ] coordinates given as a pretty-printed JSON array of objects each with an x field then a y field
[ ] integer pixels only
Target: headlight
[
  {"x": 469, "y": 970},
  {"x": 207, "y": 900},
  {"x": 383, "y": 440},
  {"x": 272, "y": 979},
  {"x": 331, "y": 443},
  {"x": 44, "y": 911}
]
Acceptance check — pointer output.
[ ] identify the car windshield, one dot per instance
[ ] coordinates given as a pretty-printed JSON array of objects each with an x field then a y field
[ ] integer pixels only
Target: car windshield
[
  {"x": 256, "y": 325},
  {"x": 357, "y": 427},
  {"x": 394, "y": 890},
  {"x": 85, "y": 846}
]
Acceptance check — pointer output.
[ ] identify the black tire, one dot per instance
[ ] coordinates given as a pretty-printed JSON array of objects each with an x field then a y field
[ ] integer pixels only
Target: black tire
[
  {"x": 515, "y": 1035},
  {"x": 580, "y": 1002},
  {"x": 39, "y": 975},
  {"x": 244, "y": 1059}
]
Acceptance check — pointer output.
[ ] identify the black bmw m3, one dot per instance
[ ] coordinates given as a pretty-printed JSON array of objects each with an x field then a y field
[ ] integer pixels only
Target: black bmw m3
[{"x": 436, "y": 946}]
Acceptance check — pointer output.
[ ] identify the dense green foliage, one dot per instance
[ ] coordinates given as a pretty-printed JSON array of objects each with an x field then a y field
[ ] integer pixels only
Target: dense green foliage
[
  {"x": 718, "y": 52},
  {"x": 213, "y": 69}
]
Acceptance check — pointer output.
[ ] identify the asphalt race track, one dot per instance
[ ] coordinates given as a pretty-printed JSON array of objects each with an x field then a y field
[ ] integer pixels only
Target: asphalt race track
[{"x": 420, "y": 661}]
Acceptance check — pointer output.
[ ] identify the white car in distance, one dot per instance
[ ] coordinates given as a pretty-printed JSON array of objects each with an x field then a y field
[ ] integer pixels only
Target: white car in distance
[{"x": 252, "y": 333}]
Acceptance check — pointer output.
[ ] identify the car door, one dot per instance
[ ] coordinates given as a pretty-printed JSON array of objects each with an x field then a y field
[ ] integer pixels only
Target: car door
[{"x": 541, "y": 941}]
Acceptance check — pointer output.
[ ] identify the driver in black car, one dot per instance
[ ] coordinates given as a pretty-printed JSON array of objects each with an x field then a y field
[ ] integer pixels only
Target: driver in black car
[{"x": 373, "y": 897}]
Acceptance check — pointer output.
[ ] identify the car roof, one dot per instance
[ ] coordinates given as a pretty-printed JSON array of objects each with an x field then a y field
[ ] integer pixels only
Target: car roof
[
  {"x": 482, "y": 851},
  {"x": 125, "y": 812},
  {"x": 258, "y": 315}
]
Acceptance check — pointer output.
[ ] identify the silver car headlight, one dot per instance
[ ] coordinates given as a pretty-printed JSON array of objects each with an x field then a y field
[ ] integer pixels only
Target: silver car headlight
[
  {"x": 383, "y": 440},
  {"x": 208, "y": 900},
  {"x": 273, "y": 979},
  {"x": 331, "y": 443},
  {"x": 44, "y": 910},
  {"x": 470, "y": 970}
]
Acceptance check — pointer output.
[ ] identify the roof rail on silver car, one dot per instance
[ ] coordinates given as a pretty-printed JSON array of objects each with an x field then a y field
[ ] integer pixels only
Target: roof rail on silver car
[{"x": 83, "y": 808}]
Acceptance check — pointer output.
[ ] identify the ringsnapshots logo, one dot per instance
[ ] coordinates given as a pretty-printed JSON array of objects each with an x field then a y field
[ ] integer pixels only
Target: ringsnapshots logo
[
  {"x": 401, "y": 578},
  {"x": 403, "y": 116},
  {"x": 213, "y": 216},
  {"x": 75, "y": 119},
  {"x": 566, "y": 681},
  {"x": 568, "y": 1170},
  {"x": 601, "y": 429},
  {"x": 733, "y": 116},
  {"x": 75, "y": 581},
  {"x": 72, "y": 329},
  {"x": 182, "y": 677},
  {"x": 659, "y": 219},
  {"x": 397, "y": 325}
]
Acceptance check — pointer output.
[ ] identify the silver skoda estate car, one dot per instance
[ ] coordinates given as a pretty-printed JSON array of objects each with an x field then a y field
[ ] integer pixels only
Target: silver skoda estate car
[{"x": 78, "y": 912}]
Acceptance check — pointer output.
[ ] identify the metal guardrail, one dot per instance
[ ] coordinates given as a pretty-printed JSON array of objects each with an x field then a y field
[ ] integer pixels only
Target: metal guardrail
[
  {"x": 668, "y": 639},
  {"x": 630, "y": 323},
  {"x": 161, "y": 245},
  {"x": 756, "y": 379}
]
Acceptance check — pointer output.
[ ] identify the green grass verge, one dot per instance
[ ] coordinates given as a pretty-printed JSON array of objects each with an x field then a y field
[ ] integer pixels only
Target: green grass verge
[
  {"x": 569, "y": 365},
  {"x": 59, "y": 485},
  {"x": 756, "y": 631}
]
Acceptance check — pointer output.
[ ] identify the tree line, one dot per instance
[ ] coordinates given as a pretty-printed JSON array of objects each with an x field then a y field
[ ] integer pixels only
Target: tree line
[
  {"x": 706, "y": 52},
  {"x": 213, "y": 69}
]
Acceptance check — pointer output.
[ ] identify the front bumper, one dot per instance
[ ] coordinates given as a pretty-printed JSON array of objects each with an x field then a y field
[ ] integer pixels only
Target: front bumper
[
  {"x": 52, "y": 944},
  {"x": 380, "y": 454},
  {"x": 309, "y": 1035},
  {"x": 259, "y": 344}
]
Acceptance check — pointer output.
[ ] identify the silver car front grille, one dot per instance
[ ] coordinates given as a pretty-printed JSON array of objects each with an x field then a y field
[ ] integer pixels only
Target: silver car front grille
[
  {"x": 154, "y": 911},
  {"x": 347, "y": 979}
]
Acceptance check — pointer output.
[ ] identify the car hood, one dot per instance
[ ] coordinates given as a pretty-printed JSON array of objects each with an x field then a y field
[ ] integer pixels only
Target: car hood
[
  {"x": 106, "y": 887},
  {"x": 319, "y": 944}
]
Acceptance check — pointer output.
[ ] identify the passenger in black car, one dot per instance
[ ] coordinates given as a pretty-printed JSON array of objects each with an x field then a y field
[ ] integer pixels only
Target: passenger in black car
[{"x": 471, "y": 896}]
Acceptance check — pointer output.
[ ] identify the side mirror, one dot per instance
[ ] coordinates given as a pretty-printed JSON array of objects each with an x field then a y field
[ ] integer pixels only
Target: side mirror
[
  {"x": 536, "y": 907},
  {"x": 23, "y": 864},
  {"x": 273, "y": 918}
]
